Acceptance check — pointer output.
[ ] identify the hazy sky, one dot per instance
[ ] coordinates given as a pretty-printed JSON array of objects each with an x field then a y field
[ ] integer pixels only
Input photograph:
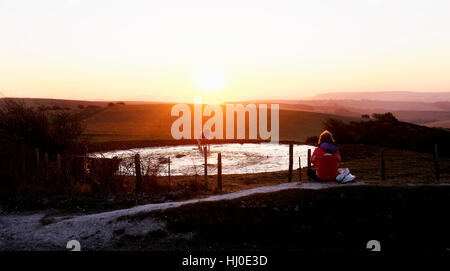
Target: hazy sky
[{"x": 173, "y": 50}]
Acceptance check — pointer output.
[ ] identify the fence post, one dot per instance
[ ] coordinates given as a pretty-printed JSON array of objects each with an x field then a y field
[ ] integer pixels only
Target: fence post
[
  {"x": 205, "y": 154},
  {"x": 299, "y": 169},
  {"x": 137, "y": 166},
  {"x": 219, "y": 171},
  {"x": 46, "y": 158},
  {"x": 170, "y": 184},
  {"x": 58, "y": 160},
  {"x": 436, "y": 164},
  {"x": 291, "y": 161},
  {"x": 309, "y": 161},
  {"x": 37, "y": 156},
  {"x": 309, "y": 158},
  {"x": 383, "y": 166},
  {"x": 24, "y": 159}
]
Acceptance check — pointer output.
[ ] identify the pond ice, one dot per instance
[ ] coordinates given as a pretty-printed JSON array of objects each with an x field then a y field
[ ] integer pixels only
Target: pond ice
[{"x": 236, "y": 158}]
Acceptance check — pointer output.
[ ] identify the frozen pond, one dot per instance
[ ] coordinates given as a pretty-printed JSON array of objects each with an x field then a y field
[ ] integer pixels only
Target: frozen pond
[{"x": 188, "y": 160}]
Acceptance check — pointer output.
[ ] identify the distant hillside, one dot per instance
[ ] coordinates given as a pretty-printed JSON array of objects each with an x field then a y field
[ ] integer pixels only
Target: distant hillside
[
  {"x": 153, "y": 122},
  {"x": 415, "y": 112},
  {"x": 375, "y": 105},
  {"x": 36, "y": 102},
  {"x": 443, "y": 105},
  {"x": 439, "y": 124},
  {"x": 404, "y": 96},
  {"x": 422, "y": 117}
]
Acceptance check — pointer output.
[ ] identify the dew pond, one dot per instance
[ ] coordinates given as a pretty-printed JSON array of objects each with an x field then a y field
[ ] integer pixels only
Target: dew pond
[{"x": 189, "y": 160}]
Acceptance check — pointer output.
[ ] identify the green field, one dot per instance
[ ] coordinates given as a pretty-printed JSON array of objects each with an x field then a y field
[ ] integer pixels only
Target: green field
[{"x": 153, "y": 122}]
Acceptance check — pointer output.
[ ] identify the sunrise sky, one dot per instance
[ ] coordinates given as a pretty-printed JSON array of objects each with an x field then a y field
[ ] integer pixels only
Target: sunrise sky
[{"x": 175, "y": 50}]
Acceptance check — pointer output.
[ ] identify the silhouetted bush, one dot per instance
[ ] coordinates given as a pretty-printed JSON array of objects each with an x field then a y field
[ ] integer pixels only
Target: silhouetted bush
[
  {"x": 26, "y": 134},
  {"x": 387, "y": 117},
  {"x": 55, "y": 132},
  {"x": 386, "y": 130},
  {"x": 103, "y": 176}
]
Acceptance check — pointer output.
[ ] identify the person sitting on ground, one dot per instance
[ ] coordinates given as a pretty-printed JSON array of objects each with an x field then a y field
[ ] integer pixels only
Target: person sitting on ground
[{"x": 326, "y": 158}]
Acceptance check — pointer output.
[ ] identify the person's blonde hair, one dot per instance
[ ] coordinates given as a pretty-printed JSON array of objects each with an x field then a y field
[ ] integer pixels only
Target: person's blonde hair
[{"x": 326, "y": 137}]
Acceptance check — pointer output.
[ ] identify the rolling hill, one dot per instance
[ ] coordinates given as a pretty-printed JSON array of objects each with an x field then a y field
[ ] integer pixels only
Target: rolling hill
[
  {"x": 418, "y": 112},
  {"x": 153, "y": 122},
  {"x": 405, "y": 96},
  {"x": 439, "y": 124}
]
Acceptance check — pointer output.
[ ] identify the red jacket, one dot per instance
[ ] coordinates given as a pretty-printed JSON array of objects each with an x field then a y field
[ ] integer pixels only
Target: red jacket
[{"x": 326, "y": 158}]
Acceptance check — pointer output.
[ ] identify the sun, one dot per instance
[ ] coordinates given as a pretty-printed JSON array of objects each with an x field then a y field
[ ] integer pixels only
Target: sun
[{"x": 210, "y": 80}]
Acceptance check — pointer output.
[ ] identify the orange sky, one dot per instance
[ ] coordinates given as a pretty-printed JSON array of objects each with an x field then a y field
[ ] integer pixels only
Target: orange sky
[{"x": 224, "y": 50}]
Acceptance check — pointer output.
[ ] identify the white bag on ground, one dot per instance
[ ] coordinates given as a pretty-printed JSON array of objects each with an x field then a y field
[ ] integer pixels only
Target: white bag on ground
[{"x": 344, "y": 175}]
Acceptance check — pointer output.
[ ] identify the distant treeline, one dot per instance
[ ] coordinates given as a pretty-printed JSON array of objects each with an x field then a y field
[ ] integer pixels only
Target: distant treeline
[{"x": 386, "y": 130}]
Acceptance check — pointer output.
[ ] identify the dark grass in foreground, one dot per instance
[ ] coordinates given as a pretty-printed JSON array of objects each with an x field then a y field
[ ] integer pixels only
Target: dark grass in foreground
[{"x": 402, "y": 218}]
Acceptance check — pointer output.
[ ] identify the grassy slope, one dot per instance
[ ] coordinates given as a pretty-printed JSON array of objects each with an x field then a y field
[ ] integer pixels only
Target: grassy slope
[
  {"x": 422, "y": 117},
  {"x": 130, "y": 122},
  {"x": 338, "y": 219},
  {"x": 440, "y": 124},
  {"x": 153, "y": 122}
]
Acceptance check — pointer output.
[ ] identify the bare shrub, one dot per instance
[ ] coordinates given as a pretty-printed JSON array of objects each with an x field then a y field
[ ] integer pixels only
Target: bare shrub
[
  {"x": 23, "y": 130},
  {"x": 103, "y": 175},
  {"x": 52, "y": 132},
  {"x": 150, "y": 173},
  {"x": 195, "y": 184}
]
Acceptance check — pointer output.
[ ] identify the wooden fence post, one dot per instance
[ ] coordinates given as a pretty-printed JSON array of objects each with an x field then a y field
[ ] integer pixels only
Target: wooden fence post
[
  {"x": 383, "y": 166},
  {"x": 291, "y": 161},
  {"x": 309, "y": 160},
  {"x": 299, "y": 169},
  {"x": 24, "y": 159},
  {"x": 137, "y": 166},
  {"x": 436, "y": 163},
  {"x": 37, "y": 156},
  {"x": 205, "y": 154},
  {"x": 170, "y": 184},
  {"x": 219, "y": 171}
]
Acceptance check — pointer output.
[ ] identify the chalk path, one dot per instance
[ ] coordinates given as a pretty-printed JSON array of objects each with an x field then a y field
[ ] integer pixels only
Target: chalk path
[{"x": 96, "y": 231}]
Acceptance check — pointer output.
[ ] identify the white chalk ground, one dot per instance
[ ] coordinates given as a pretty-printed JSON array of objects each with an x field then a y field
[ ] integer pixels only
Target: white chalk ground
[{"x": 24, "y": 231}]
